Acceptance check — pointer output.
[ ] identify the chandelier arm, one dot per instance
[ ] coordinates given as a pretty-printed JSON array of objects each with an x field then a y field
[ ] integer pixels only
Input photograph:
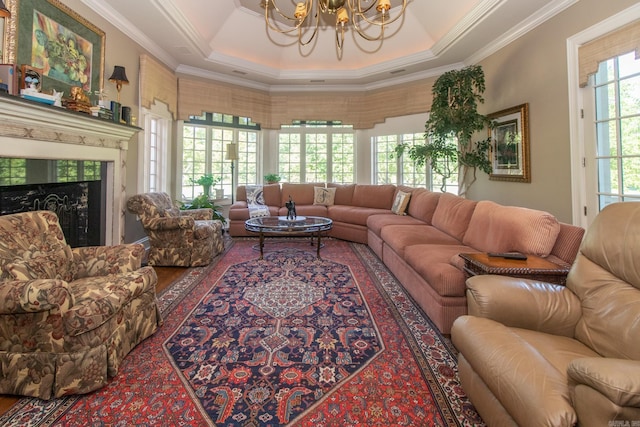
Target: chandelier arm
[
  {"x": 298, "y": 21},
  {"x": 364, "y": 35},
  {"x": 358, "y": 13},
  {"x": 339, "y": 36},
  {"x": 315, "y": 31}
]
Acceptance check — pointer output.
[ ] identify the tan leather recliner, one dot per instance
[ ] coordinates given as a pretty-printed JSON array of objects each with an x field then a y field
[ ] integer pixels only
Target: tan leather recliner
[{"x": 537, "y": 354}]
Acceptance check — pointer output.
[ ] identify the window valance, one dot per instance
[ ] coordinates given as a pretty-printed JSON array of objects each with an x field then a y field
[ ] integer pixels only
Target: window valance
[
  {"x": 623, "y": 40},
  {"x": 158, "y": 82},
  {"x": 361, "y": 109}
]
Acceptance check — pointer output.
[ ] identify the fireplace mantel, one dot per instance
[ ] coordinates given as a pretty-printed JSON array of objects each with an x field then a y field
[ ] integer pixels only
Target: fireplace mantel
[{"x": 32, "y": 130}]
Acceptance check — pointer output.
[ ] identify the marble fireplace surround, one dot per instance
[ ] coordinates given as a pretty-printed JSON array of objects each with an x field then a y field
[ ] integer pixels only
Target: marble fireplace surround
[{"x": 32, "y": 130}]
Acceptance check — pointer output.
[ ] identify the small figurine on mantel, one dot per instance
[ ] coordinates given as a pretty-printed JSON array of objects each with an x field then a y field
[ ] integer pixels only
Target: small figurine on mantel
[
  {"x": 291, "y": 209},
  {"x": 78, "y": 101}
]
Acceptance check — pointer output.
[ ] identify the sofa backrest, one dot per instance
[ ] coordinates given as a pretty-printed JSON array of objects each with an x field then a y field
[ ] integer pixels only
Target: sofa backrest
[
  {"x": 270, "y": 192},
  {"x": 32, "y": 245},
  {"x": 497, "y": 228},
  {"x": 606, "y": 279},
  {"x": 422, "y": 204},
  {"x": 152, "y": 205},
  {"x": 452, "y": 214},
  {"x": 301, "y": 194},
  {"x": 344, "y": 193},
  {"x": 373, "y": 196}
]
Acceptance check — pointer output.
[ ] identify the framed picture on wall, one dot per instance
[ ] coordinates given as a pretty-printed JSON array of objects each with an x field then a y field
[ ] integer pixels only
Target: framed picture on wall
[
  {"x": 510, "y": 144},
  {"x": 66, "y": 47}
]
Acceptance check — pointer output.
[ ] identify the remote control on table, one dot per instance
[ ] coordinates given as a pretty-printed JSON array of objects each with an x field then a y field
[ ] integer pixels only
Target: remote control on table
[{"x": 508, "y": 255}]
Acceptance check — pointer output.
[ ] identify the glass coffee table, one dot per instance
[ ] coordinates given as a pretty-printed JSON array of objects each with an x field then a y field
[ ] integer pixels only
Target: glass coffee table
[{"x": 280, "y": 225}]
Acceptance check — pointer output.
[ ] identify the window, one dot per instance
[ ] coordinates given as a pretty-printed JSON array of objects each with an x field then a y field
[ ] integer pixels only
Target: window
[
  {"x": 13, "y": 171},
  {"x": 616, "y": 97},
  {"x": 155, "y": 152},
  {"x": 72, "y": 170},
  {"x": 317, "y": 151},
  {"x": 389, "y": 169},
  {"x": 204, "y": 144}
]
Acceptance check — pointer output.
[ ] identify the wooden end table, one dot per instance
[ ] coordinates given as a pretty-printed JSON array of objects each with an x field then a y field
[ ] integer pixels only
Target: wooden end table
[{"x": 533, "y": 267}]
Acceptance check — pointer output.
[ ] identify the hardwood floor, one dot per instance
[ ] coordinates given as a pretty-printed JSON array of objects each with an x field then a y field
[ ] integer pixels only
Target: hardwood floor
[{"x": 166, "y": 275}]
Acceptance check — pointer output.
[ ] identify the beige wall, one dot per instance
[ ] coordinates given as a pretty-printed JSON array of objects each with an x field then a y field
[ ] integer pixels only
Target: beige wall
[{"x": 533, "y": 69}]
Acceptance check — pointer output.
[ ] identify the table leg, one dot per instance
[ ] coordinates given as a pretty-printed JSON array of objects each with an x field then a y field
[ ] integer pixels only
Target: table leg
[
  {"x": 261, "y": 245},
  {"x": 318, "y": 251}
]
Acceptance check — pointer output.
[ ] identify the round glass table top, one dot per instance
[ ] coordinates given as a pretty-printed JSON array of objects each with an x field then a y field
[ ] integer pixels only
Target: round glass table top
[{"x": 280, "y": 224}]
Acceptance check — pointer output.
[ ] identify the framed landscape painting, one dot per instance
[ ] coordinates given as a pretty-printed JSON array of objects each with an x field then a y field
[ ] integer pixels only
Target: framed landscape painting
[
  {"x": 66, "y": 47},
  {"x": 510, "y": 144}
]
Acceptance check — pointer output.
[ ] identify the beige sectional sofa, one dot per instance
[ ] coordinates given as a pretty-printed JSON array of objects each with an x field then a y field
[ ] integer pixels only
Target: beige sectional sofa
[{"x": 421, "y": 247}]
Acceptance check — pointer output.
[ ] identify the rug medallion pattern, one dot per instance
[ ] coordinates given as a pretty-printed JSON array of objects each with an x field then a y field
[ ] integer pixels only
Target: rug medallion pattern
[
  {"x": 291, "y": 338},
  {"x": 274, "y": 338}
]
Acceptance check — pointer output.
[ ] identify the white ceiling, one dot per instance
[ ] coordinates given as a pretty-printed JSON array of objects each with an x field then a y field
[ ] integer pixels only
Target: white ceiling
[{"x": 227, "y": 40}]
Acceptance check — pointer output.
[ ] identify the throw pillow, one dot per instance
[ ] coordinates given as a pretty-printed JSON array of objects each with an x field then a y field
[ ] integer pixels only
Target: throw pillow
[
  {"x": 255, "y": 195},
  {"x": 400, "y": 203},
  {"x": 324, "y": 196}
]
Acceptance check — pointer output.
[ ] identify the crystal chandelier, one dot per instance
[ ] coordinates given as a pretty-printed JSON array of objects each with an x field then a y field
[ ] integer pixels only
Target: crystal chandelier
[{"x": 361, "y": 14}]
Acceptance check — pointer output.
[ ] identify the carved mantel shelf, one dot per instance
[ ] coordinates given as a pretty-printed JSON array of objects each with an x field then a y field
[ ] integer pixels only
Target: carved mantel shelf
[
  {"x": 33, "y": 130},
  {"x": 20, "y": 118}
]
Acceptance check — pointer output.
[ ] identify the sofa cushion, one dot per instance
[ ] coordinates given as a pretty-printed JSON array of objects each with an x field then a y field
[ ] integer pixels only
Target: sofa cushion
[
  {"x": 375, "y": 223},
  {"x": 433, "y": 263},
  {"x": 344, "y": 193},
  {"x": 301, "y": 194},
  {"x": 306, "y": 210},
  {"x": 324, "y": 196},
  {"x": 400, "y": 203},
  {"x": 452, "y": 215},
  {"x": 423, "y": 204},
  {"x": 373, "y": 196},
  {"x": 353, "y": 214},
  {"x": 497, "y": 228},
  {"x": 399, "y": 237}
]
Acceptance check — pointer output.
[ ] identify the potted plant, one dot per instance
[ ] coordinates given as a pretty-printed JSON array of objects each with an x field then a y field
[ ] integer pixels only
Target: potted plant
[
  {"x": 202, "y": 201},
  {"x": 272, "y": 178},
  {"x": 453, "y": 120},
  {"x": 207, "y": 181}
]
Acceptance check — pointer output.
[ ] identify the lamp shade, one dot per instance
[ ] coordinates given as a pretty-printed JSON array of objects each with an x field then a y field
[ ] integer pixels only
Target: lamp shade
[
  {"x": 232, "y": 152},
  {"x": 119, "y": 75}
]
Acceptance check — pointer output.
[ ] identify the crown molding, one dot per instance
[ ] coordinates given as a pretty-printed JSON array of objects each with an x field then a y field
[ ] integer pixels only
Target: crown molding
[
  {"x": 131, "y": 31},
  {"x": 521, "y": 29}
]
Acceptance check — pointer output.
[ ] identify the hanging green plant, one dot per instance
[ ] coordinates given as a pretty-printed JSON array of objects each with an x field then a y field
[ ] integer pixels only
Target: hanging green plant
[{"x": 452, "y": 122}]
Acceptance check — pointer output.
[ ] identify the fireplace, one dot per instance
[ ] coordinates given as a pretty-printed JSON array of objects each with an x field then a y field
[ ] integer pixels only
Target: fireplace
[
  {"x": 36, "y": 131},
  {"x": 77, "y": 204}
]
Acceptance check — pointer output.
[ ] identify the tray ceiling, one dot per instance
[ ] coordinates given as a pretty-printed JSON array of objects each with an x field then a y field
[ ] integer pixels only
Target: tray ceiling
[{"x": 228, "y": 41}]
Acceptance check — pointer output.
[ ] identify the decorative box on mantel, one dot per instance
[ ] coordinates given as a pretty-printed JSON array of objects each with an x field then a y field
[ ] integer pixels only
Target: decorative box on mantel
[{"x": 37, "y": 131}]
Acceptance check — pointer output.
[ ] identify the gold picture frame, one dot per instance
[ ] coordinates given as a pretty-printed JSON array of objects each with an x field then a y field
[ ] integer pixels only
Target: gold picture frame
[{"x": 510, "y": 144}]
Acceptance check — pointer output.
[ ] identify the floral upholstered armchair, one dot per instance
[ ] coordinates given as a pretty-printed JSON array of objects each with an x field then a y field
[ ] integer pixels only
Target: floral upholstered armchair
[
  {"x": 177, "y": 238},
  {"x": 68, "y": 317}
]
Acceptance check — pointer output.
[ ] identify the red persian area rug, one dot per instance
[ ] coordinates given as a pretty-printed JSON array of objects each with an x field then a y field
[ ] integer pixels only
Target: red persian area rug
[{"x": 287, "y": 340}]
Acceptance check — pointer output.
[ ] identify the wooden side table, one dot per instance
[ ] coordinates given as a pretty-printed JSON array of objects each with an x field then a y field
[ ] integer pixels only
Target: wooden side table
[{"x": 533, "y": 267}]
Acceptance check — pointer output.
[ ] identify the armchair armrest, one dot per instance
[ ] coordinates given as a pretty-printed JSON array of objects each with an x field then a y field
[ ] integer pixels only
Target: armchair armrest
[
  {"x": 36, "y": 295},
  {"x": 617, "y": 379},
  {"x": 524, "y": 303},
  {"x": 170, "y": 223},
  {"x": 104, "y": 260},
  {"x": 198, "y": 214}
]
